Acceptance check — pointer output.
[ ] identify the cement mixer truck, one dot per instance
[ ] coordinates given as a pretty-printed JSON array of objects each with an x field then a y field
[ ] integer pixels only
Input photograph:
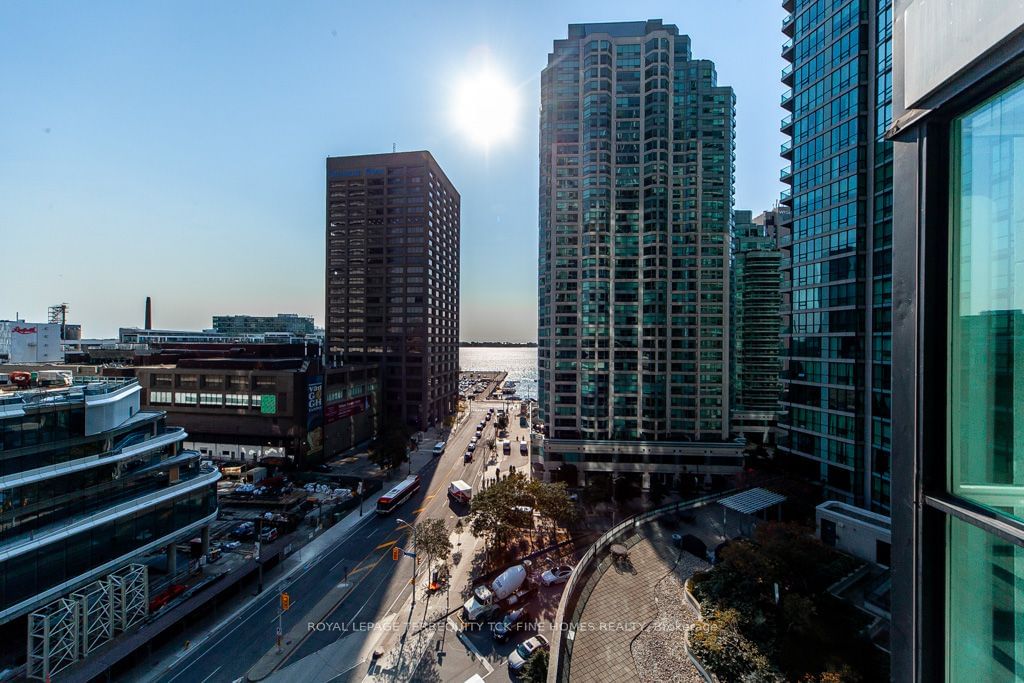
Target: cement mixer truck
[{"x": 508, "y": 589}]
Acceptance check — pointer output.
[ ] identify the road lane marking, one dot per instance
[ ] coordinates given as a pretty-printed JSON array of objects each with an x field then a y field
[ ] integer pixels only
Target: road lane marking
[
  {"x": 212, "y": 675},
  {"x": 386, "y": 544},
  {"x": 470, "y": 646}
]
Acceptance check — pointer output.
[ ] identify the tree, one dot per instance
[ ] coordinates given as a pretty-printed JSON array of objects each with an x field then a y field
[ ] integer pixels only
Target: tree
[
  {"x": 502, "y": 421},
  {"x": 433, "y": 541},
  {"x": 391, "y": 447},
  {"x": 536, "y": 668},
  {"x": 495, "y": 512},
  {"x": 553, "y": 503}
]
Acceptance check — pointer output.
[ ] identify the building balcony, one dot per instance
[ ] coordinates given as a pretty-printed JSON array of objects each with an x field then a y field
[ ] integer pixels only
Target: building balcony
[
  {"x": 788, "y": 5},
  {"x": 787, "y": 75},
  {"x": 787, "y": 99},
  {"x": 789, "y": 25},
  {"x": 786, "y": 150},
  {"x": 786, "y": 174},
  {"x": 786, "y": 126},
  {"x": 787, "y": 50},
  {"x": 786, "y": 197}
]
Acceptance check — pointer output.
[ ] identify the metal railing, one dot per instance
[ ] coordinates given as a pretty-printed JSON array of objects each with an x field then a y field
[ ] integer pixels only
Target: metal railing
[{"x": 585, "y": 576}]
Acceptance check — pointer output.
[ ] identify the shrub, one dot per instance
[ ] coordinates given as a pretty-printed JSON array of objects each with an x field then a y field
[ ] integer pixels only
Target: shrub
[{"x": 718, "y": 644}]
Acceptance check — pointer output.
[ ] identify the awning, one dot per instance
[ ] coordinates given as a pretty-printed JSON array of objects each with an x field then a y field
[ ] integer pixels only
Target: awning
[{"x": 753, "y": 500}]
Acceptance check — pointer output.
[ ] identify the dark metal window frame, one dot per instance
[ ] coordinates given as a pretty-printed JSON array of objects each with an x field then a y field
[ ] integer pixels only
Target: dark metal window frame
[{"x": 921, "y": 503}]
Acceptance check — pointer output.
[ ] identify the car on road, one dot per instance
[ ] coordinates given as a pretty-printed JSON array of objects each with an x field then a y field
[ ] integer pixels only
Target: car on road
[
  {"x": 472, "y": 446},
  {"x": 512, "y": 621},
  {"x": 268, "y": 535},
  {"x": 559, "y": 574},
  {"x": 526, "y": 649},
  {"x": 487, "y": 417},
  {"x": 467, "y": 456}
]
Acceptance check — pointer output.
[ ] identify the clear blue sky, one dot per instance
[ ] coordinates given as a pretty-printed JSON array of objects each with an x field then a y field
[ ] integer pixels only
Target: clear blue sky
[{"x": 176, "y": 149}]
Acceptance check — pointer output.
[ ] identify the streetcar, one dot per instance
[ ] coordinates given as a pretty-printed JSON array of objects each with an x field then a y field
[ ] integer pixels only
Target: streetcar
[{"x": 398, "y": 495}]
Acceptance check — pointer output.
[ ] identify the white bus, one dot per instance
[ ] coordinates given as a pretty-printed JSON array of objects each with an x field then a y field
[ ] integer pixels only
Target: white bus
[{"x": 398, "y": 495}]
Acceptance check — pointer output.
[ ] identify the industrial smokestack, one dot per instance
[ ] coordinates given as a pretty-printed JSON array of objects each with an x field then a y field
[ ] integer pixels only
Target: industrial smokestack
[{"x": 149, "y": 313}]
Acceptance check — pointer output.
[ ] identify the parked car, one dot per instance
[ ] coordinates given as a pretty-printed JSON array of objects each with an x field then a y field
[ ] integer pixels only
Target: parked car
[
  {"x": 268, "y": 535},
  {"x": 526, "y": 649},
  {"x": 559, "y": 574},
  {"x": 245, "y": 531},
  {"x": 472, "y": 446},
  {"x": 467, "y": 456},
  {"x": 512, "y": 621}
]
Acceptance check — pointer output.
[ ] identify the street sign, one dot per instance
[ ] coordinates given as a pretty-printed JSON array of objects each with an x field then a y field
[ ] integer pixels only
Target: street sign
[
  {"x": 286, "y": 602},
  {"x": 408, "y": 554}
]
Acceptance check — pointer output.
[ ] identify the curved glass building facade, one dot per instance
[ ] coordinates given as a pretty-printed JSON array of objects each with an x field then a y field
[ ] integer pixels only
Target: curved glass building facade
[{"x": 87, "y": 483}]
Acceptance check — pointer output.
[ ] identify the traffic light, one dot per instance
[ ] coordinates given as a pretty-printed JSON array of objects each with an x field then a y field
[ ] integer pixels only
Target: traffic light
[
  {"x": 286, "y": 602},
  {"x": 396, "y": 552}
]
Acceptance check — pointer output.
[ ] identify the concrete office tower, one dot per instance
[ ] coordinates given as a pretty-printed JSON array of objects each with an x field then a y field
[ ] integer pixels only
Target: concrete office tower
[
  {"x": 837, "y": 262},
  {"x": 636, "y": 192},
  {"x": 756, "y": 324},
  {"x": 393, "y": 279}
]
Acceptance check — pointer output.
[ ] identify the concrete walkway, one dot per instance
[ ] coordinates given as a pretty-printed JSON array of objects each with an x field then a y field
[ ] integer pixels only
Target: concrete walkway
[{"x": 631, "y": 620}]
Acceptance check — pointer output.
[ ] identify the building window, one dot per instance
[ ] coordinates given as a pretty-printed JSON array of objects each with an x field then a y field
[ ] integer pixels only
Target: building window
[
  {"x": 185, "y": 398},
  {"x": 211, "y": 399},
  {"x": 159, "y": 397},
  {"x": 256, "y": 400},
  {"x": 241, "y": 400},
  {"x": 985, "y": 637},
  {"x": 238, "y": 383},
  {"x": 987, "y": 305}
]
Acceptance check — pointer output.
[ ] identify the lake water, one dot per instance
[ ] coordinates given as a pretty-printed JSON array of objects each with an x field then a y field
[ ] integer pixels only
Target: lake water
[{"x": 519, "y": 362}]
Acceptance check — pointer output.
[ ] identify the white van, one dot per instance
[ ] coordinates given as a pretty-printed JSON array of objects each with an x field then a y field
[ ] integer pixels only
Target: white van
[{"x": 439, "y": 448}]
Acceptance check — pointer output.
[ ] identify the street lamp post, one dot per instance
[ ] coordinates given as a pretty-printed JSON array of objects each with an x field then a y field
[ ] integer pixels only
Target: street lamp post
[{"x": 403, "y": 522}]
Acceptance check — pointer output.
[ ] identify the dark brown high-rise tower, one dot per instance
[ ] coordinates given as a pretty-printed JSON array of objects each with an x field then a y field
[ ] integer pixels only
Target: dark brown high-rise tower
[{"x": 393, "y": 279}]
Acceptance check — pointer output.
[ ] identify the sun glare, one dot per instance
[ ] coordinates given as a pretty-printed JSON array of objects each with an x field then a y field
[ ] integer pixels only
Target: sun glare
[{"x": 486, "y": 107}]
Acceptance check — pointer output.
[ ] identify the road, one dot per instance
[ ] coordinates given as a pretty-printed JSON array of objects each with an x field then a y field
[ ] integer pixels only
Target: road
[{"x": 378, "y": 583}]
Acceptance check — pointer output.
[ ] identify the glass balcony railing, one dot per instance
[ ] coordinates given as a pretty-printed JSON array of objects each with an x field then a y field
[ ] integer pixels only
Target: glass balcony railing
[
  {"x": 786, "y": 147},
  {"x": 787, "y": 46},
  {"x": 787, "y": 97},
  {"x": 786, "y": 173},
  {"x": 786, "y": 73},
  {"x": 786, "y": 123}
]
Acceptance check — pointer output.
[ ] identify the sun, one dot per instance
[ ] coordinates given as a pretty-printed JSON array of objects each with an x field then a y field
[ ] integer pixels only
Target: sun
[{"x": 485, "y": 107}]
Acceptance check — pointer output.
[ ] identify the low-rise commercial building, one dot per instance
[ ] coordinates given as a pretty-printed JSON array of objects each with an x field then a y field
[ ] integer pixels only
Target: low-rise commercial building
[
  {"x": 23, "y": 342},
  {"x": 258, "y": 400},
  {"x": 88, "y": 482},
  {"x": 241, "y": 325}
]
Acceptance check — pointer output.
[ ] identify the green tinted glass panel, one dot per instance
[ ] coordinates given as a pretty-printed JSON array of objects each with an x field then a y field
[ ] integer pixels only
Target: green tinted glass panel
[
  {"x": 985, "y": 606},
  {"x": 268, "y": 404},
  {"x": 987, "y": 304}
]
